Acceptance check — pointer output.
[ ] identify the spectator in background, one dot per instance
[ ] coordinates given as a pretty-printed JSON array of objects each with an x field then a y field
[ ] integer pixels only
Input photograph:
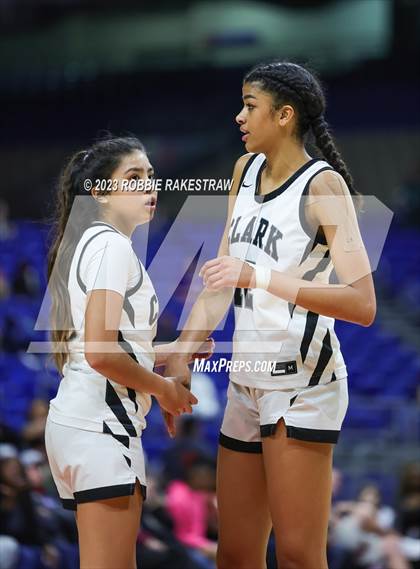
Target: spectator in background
[
  {"x": 364, "y": 530},
  {"x": 409, "y": 512},
  {"x": 157, "y": 546},
  {"x": 19, "y": 518},
  {"x": 187, "y": 448},
  {"x": 191, "y": 504},
  {"x": 26, "y": 280},
  {"x": 33, "y": 431}
]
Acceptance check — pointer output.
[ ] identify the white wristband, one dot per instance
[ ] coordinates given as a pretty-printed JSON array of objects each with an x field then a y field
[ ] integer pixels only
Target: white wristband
[{"x": 262, "y": 277}]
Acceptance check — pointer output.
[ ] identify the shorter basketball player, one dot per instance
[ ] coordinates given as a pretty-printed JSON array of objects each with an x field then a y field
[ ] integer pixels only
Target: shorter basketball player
[{"x": 102, "y": 293}]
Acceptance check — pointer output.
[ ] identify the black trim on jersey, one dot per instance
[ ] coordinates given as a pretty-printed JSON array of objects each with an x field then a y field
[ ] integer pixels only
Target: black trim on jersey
[
  {"x": 127, "y": 348},
  {"x": 123, "y": 439},
  {"x": 333, "y": 377},
  {"x": 116, "y": 406},
  {"x": 291, "y": 308},
  {"x": 106, "y": 492},
  {"x": 78, "y": 277},
  {"x": 274, "y": 193},
  {"x": 245, "y": 170},
  {"x": 310, "y": 325},
  {"x": 107, "y": 225},
  {"x": 293, "y": 399},
  {"x": 319, "y": 237},
  {"x": 321, "y": 266},
  {"x": 69, "y": 504},
  {"x": 128, "y": 460},
  {"x": 240, "y": 446},
  {"x": 302, "y": 433},
  {"x": 127, "y": 306},
  {"x": 324, "y": 357},
  {"x": 308, "y": 250},
  {"x": 132, "y": 395}
]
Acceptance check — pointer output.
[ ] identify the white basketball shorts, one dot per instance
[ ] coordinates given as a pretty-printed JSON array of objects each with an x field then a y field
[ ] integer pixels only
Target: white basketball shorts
[
  {"x": 313, "y": 414},
  {"x": 89, "y": 465}
]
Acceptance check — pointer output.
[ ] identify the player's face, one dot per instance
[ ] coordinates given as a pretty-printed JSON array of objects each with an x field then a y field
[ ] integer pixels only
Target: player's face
[
  {"x": 257, "y": 120},
  {"x": 135, "y": 199}
]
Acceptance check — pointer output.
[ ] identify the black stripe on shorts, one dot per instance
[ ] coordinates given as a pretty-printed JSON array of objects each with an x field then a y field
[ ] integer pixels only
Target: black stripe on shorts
[
  {"x": 302, "y": 433},
  {"x": 240, "y": 446},
  {"x": 105, "y": 492},
  {"x": 69, "y": 504}
]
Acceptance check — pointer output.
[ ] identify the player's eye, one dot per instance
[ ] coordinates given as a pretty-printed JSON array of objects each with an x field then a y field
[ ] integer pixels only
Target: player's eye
[{"x": 250, "y": 107}]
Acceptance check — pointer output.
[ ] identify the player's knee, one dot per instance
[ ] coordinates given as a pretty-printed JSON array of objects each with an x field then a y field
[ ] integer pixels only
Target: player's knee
[
  {"x": 297, "y": 556},
  {"x": 239, "y": 558}
]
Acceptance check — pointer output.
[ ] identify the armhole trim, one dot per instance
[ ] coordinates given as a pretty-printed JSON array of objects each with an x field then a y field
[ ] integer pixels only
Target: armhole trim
[
  {"x": 319, "y": 237},
  {"x": 245, "y": 170},
  {"x": 78, "y": 277}
]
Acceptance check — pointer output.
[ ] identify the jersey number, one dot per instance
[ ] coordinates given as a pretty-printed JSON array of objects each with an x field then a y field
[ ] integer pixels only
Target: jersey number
[{"x": 243, "y": 298}]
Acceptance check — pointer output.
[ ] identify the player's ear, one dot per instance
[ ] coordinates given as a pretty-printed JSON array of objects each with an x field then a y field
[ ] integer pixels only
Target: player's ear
[
  {"x": 97, "y": 196},
  {"x": 286, "y": 113}
]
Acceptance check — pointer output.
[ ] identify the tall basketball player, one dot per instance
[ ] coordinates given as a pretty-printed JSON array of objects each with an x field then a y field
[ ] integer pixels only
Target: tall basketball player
[
  {"x": 104, "y": 311},
  {"x": 291, "y": 220}
]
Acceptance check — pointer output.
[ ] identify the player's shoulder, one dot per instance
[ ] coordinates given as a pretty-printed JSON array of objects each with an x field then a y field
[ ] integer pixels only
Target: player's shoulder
[
  {"x": 328, "y": 182},
  {"x": 239, "y": 168},
  {"x": 243, "y": 160},
  {"x": 105, "y": 236}
]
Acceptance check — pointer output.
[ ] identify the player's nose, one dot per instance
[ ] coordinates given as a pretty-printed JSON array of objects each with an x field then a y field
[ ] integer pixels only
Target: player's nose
[{"x": 239, "y": 119}]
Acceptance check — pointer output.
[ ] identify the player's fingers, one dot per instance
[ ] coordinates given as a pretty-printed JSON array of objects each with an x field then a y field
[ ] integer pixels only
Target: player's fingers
[
  {"x": 192, "y": 399},
  {"x": 213, "y": 278},
  {"x": 217, "y": 285},
  {"x": 209, "y": 264},
  {"x": 170, "y": 424}
]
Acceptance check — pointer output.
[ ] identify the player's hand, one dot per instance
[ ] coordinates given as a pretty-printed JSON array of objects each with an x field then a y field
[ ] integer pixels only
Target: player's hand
[
  {"x": 227, "y": 272},
  {"x": 176, "y": 366},
  {"x": 175, "y": 397}
]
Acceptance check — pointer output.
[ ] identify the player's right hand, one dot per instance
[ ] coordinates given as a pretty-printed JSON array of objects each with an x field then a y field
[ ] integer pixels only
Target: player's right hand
[{"x": 175, "y": 397}]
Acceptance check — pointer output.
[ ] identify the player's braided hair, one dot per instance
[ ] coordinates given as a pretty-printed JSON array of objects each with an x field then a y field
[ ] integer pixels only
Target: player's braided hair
[
  {"x": 98, "y": 162},
  {"x": 289, "y": 83}
]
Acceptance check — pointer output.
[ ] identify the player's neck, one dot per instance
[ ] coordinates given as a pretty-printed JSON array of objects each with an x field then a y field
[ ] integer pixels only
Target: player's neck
[
  {"x": 120, "y": 224},
  {"x": 284, "y": 159}
]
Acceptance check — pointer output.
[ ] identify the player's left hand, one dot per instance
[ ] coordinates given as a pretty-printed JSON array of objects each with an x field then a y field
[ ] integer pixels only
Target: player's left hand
[{"x": 227, "y": 272}]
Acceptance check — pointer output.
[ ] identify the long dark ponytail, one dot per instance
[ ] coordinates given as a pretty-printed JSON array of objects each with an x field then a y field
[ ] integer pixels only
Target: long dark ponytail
[
  {"x": 97, "y": 162},
  {"x": 289, "y": 83}
]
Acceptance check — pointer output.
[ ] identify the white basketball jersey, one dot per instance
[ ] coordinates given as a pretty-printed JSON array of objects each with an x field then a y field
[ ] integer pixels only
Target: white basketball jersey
[
  {"x": 104, "y": 259},
  {"x": 278, "y": 343}
]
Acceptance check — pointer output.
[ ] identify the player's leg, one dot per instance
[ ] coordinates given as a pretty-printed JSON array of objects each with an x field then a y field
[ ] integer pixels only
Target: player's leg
[
  {"x": 244, "y": 517},
  {"x": 108, "y": 531},
  {"x": 299, "y": 492}
]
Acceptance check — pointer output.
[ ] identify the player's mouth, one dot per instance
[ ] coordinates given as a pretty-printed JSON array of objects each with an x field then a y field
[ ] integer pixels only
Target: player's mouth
[
  {"x": 151, "y": 203},
  {"x": 245, "y": 134}
]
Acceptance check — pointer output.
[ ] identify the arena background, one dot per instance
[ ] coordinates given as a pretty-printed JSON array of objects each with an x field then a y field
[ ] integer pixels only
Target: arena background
[{"x": 171, "y": 73}]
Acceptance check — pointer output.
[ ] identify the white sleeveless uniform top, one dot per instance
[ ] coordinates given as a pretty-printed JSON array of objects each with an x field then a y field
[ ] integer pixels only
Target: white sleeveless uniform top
[
  {"x": 104, "y": 259},
  {"x": 278, "y": 343}
]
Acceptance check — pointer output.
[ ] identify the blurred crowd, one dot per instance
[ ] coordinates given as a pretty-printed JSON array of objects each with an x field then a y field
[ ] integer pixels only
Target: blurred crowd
[{"x": 179, "y": 521}]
